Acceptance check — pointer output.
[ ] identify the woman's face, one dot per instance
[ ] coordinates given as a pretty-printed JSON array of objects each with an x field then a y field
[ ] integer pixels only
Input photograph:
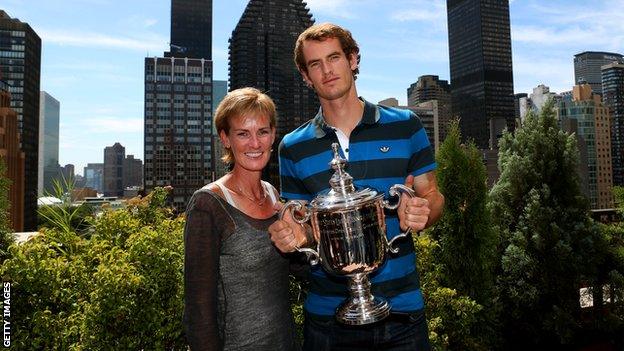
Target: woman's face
[{"x": 250, "y": 138}]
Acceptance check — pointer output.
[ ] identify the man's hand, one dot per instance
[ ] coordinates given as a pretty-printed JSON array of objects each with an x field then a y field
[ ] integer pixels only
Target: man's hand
[
  {"x": 413, "y": 212},
  {"x": 286, "y": 234}
]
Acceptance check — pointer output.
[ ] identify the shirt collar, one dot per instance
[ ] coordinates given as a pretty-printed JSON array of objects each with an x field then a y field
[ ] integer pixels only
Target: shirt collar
[{"x": 370, "y": 116}]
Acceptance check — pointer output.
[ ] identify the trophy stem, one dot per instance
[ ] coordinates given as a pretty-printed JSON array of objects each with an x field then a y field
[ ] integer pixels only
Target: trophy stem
[{"x": 362, "y": 307}]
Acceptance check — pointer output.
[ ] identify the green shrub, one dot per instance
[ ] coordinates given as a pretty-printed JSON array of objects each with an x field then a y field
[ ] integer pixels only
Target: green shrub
[
  {"x": 48, "y": 291},
  {"x": 6, "y": 238},
  {"x": 451, "y": 316},
  {"x": 121, "y": 289}
]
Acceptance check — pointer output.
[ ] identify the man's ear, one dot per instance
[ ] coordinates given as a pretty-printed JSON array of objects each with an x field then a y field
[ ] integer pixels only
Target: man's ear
[{"x": 353, "y": 61}]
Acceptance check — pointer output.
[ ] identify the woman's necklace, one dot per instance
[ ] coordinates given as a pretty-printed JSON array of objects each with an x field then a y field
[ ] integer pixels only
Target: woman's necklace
[{"x": 259, "y": 202}]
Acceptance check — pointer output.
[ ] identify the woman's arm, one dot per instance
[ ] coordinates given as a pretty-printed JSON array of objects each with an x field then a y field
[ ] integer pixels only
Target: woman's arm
[{"x": 202, "y": 245}]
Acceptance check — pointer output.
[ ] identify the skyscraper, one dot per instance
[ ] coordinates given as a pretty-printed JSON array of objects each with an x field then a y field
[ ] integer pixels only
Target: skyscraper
[
  {"x": 535, "y": 101},
  {"x": 20, "y": 66},
  {"x": 517, "y": 98},
  {"x": 12, "y": 157},
  {"x": 49, "y": 112},
  {"x": 593, "y": 125},
  {"x": 481, "y": 70},
  {"x": 219, "y": 90},
  {"x": 178, "y": 125},
  {"x": 587, "y": 67},
  {"x": 93, "y": 174},
  {"x": 113, "y": 170},
  {"x": 67, "y": 173},
  {"x": 178, "y": 105},
  {"x": 191, "y": 29},
  {"x": 430, "y": 88},
  {"x": 132, "y": 172},
  {"x": 261, "y": 56},
  {"x": 613, "y": 99}
]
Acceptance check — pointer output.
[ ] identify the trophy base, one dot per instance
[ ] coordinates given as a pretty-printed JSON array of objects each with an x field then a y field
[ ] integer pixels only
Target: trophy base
[
  {"x": 362, "y": 307},
  {"x": 356, "y": 312}
]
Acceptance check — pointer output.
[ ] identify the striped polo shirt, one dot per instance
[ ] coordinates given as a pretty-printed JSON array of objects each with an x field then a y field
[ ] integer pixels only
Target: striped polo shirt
[{"x": 386, "y": 146}]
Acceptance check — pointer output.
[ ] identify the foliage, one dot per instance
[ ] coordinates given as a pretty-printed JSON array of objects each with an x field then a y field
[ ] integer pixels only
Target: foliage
[
  {"x": 607, "y": 285},
  {"x": 548, "y": 243},
  {"x": 618, "y": 194},
  {"x": 607, "y": 281},
  {"x": 451, "y": 317},
  {"x": 121, "y": 289},
  {"x": 298, "y": 293},
  {"x": 65, "y": 217},
  {"x": 467, "y": 243},
  {"x": 6, "y": 239}
]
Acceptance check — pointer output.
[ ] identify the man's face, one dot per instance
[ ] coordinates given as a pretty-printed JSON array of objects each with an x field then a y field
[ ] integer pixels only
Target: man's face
[{"x": 329, "y": 69}]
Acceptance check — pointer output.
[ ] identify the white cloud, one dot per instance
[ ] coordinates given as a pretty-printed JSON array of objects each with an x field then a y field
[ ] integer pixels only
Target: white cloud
[
  {"x": 136, "y": 23},
  {"x": 598, "y": 25},
  {"x": 551, "y": 36},
  {"x": 117, "y": 125},
  {"x": 98, "y": 40},
  {"x": 411, "y": 47},
  {"x": 335, "y": 8},
  {"x": 149, "y": 22},
  {"x": 422, "y": 11},
  {"x": 90, "y": 66},
  {"x": 554, "y": 72},
  {"x": 56, "y": 82}
]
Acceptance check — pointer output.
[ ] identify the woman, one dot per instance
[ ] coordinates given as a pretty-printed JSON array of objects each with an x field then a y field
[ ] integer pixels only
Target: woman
[{"x": 236, "y": 282}]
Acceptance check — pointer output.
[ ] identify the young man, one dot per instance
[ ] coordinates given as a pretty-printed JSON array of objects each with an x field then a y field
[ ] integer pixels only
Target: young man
[{"x": 384, "y": 146}]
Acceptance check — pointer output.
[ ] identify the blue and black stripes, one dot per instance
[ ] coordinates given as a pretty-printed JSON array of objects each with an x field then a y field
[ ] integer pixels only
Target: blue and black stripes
[{"x": 386, "y": 146}]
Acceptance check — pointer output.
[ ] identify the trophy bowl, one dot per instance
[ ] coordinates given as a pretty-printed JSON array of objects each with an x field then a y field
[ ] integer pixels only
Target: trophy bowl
[{"x": 350, "y": 230}]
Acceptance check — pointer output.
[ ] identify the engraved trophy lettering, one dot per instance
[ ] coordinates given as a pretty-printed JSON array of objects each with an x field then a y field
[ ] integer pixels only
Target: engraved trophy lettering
[{"x": 350, "y": 228}]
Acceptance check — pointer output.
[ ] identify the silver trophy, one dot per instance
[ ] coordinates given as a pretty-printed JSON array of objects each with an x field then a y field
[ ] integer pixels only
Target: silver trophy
[{"x": 350, "y": 229}]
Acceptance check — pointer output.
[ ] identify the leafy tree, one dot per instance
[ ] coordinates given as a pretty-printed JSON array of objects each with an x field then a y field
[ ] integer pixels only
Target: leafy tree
[
  {"x": 6, "y": 238},
  {"x": 547, "y": 238},
  {"x": 451, "y": 317},
  {"x": 464, "y": 231},
  {"x": 467, "y": 243}
]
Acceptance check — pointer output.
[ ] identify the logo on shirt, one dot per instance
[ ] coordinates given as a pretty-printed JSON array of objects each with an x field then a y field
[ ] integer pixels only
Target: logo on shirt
[{"x": 384, "y": 149}]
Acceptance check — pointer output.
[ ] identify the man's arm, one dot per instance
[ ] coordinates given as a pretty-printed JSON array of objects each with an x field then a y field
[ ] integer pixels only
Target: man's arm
[{"x": 426, "y": 208}]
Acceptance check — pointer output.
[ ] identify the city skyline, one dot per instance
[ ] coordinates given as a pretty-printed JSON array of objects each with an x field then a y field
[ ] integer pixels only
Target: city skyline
[{"x": 93, "y": 53}]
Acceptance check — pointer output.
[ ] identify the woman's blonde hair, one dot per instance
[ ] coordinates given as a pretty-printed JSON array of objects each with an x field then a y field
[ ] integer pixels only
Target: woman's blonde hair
[{"x": 240, "y": 102}]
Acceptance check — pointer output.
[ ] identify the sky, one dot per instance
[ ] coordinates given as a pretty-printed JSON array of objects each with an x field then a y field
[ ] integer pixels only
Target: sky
[{"x": 94, "y": 50}]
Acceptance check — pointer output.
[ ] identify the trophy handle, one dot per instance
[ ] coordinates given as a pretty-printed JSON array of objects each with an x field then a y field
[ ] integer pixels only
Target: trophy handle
[
  {"x": 297, "y": 205},
  {"x": 396, "y": 190}
]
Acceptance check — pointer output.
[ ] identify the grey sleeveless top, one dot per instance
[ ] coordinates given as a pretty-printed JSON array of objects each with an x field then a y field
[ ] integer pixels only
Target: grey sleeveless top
[{"x": 236, "y": 282}]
